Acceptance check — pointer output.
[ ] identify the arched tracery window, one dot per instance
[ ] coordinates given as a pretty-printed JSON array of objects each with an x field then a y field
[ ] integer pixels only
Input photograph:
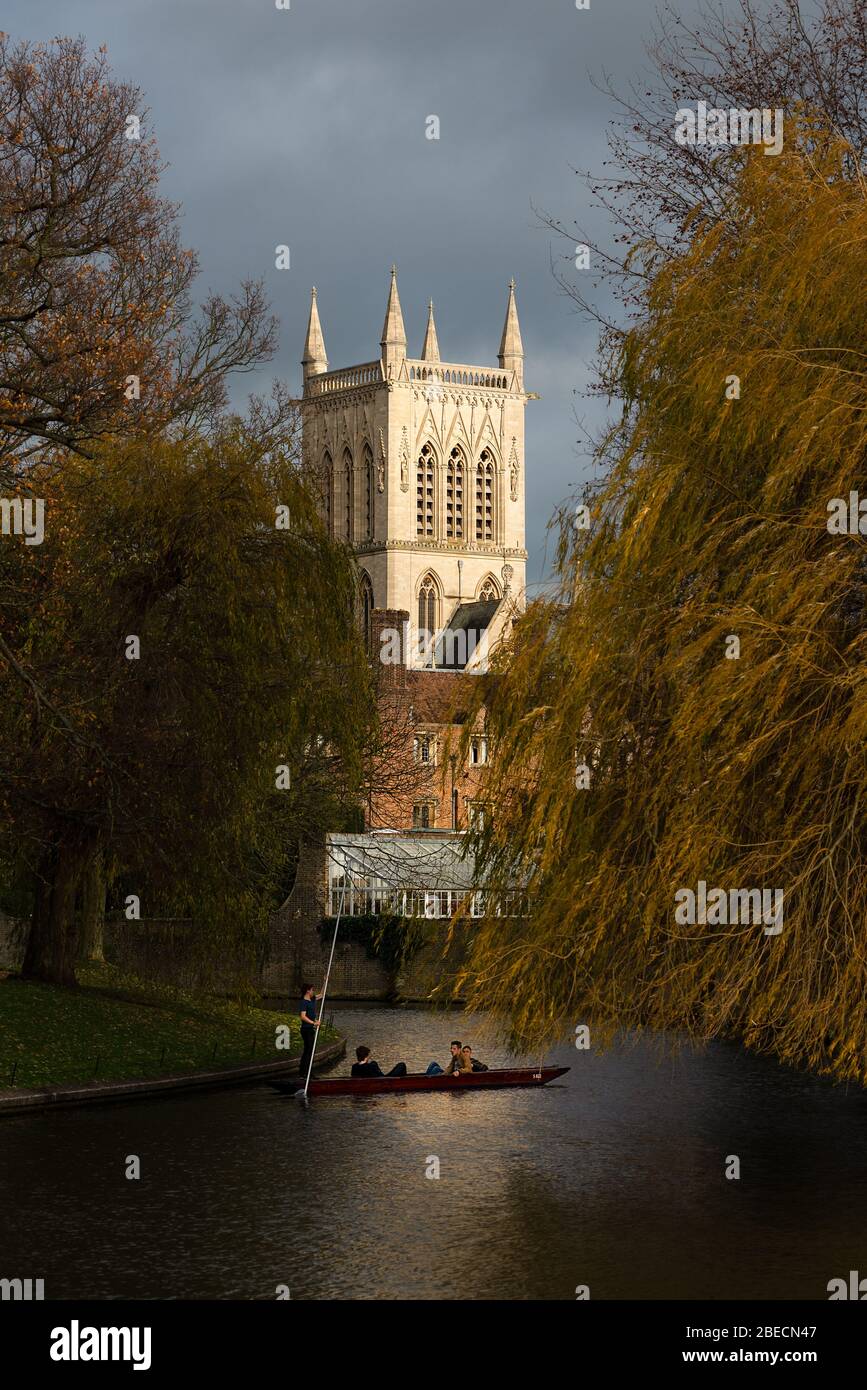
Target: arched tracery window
[
  {"x": 485, "y": 497},
  {"x": 328, "y": 490},
  {"x": 489, "y": 593},
  {"x": 369, "y": 485},
  {"x": 348, "y": 496},
  {"x": 427, "y": 605},
  {"x": 366, "y": 588},
  {"x": 424, "y": 514},
  {"x": 455, "y": 482}
]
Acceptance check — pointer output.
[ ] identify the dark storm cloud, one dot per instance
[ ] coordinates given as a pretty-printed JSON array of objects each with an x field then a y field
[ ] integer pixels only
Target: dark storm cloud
[{"x": 306, "y": 127}]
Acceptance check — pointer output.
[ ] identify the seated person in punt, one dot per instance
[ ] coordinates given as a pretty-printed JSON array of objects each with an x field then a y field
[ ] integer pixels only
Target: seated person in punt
[
  {"x": 475, "y": 1064},
  {"x": 456, "y": 1064},
  {"x": 366, "y": 1066}
]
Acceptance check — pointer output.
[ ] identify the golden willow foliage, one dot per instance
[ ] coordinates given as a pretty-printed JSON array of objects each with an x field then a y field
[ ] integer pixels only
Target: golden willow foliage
[{"x": 749, "y": 773}]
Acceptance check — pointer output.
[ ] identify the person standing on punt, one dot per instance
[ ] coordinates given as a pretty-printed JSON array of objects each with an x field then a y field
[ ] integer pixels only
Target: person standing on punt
[{"x": 309, "y": 1024}]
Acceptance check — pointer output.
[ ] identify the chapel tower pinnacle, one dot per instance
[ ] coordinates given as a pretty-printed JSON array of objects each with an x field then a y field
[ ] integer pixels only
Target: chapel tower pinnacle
[
  {"x": 511, "y": 354},
  {"x": 314, "y": 359},
  {"x": 393, "y": 341}
]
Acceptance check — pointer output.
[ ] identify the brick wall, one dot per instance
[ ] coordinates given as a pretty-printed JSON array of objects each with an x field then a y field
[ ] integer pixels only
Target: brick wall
[
  {"x": 164, "y": 951},
  {"x": 299, "y": 955}
]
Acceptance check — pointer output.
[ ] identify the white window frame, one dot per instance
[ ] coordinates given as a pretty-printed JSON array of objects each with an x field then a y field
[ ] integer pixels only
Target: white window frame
[
  {"x": 477, "y": 815},
  {"x": 478, "y": 750},
  {"x": 429, "y": 742}
]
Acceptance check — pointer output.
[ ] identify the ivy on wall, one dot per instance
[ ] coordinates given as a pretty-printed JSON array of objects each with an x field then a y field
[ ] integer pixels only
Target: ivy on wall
[{"x": 391, "y": 940}]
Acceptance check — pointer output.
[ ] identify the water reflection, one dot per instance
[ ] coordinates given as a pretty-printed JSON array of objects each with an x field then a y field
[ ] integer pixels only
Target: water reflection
[{"x": 614, "y": 1177}]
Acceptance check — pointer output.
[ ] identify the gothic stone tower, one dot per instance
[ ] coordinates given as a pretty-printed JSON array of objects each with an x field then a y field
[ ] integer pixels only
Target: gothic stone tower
[{"x": 421, "y": 466}]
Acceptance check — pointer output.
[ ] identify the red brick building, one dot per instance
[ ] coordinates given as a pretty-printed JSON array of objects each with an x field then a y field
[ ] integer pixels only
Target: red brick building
[{"x": 426, "y": 782}]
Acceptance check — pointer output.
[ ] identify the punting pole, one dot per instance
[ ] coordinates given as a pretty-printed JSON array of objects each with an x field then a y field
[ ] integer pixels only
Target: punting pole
[{"x": 303, "y": 1093}]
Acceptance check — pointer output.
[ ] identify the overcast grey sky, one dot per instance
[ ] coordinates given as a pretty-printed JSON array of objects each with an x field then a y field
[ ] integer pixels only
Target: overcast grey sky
[{"x": 307, "y": 127}]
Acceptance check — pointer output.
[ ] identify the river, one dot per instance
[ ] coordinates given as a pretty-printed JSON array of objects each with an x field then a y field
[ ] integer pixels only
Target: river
[{"x": 612, "y": 1178}]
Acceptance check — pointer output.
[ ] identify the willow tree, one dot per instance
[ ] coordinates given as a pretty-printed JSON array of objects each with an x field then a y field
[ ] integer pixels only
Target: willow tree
[
  {"x": 188, "y": 645},
  {"x": 640, "y": 750}
]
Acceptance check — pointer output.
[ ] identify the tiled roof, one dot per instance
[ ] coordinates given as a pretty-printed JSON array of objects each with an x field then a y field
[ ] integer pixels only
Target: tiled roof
[{"x": 438, "y": 697}]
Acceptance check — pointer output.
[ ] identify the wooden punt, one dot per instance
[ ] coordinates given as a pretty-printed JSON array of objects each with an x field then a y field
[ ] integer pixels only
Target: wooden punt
[{"x": 387, "y": 1085}]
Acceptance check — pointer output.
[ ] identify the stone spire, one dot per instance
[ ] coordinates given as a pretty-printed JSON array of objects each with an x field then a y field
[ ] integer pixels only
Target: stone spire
[
  {"x": 314, "y": 359},
  {"x": 511, "y": 354},
  {"x": 393, "y": 340},
  {"x": 430, "y": 351}
]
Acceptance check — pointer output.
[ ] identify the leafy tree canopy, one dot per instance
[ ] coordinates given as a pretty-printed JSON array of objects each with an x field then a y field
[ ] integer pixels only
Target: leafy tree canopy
[{"x": 711, "y": 522}]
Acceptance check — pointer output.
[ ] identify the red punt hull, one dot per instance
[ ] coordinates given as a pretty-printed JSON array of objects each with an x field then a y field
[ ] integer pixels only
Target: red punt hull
[{"x": 387, "y": 1085}]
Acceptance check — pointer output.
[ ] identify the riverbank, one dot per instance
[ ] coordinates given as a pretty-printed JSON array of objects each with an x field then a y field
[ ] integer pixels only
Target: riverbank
[
  {"x": 116, "y": 1028},
  {"x": 102, "y": 1092}
]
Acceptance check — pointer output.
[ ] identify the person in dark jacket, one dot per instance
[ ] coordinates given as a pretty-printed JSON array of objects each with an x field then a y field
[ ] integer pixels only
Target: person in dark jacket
[
  {"x": 366, "y": 1066},
  {"x": 474, "y": 1064},
  {"x": 309, "y": 1024}
]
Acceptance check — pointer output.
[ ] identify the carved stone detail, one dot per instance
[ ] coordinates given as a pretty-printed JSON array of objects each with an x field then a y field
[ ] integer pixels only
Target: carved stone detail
[
  {"x": 404, "y": 461},
  {"x": 380, "y": 464}
]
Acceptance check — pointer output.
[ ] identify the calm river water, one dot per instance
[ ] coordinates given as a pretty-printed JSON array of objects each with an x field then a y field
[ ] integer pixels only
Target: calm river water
[{"x": 614, "y": 1178}]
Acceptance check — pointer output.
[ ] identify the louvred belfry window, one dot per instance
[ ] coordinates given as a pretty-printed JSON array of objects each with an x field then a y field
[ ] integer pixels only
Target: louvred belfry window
[
  {"x": 424, "y": 523},
  {"x": 485, "y": 497},
  {"x": 455, "y": 496}
]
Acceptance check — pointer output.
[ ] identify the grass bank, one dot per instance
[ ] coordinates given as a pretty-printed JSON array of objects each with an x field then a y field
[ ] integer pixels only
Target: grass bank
[{"x": 116, "y": 1027}]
